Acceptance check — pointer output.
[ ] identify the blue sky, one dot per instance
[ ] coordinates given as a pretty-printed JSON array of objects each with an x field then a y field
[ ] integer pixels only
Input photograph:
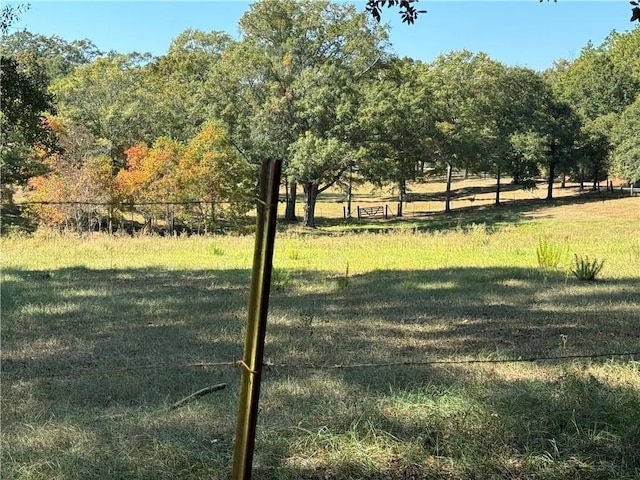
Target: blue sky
[{"x": 518, "y": 32}]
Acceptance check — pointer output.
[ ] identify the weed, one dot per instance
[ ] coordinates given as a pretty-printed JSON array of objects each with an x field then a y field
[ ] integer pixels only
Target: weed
[
  {"x": 344, "y": 281},
  {"x": 550, "y": 255},
  {"x": 584, "y": 269},
  {"x": 216, "y": 251},
  {"x": 294, "y": 254},
  {"x": 281, "y": 279}
]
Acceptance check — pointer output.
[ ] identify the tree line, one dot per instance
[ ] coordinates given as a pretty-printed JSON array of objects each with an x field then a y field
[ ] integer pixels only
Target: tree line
[{"x": 311, "y": 83}]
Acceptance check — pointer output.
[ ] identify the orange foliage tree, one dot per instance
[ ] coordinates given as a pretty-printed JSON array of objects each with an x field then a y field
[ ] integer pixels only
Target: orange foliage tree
[
  {"x": 78, "y": 189},
  {"x": 213, "y": 173},
  {"x": 149, "y": 179}
]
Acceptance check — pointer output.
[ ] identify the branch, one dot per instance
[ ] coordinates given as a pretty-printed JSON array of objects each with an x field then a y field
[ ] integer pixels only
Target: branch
[
  {"x": 199, "y": 393},
  {"x": 635, "y": 12},
  {"x": 407, "y": 11}
]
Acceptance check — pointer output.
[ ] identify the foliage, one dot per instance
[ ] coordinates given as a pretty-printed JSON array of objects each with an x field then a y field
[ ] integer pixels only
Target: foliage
[
  {"x": 150, "y": 171},
  {"x": 207, "y": 174},
  {"x": 463, "y": 86},
  {"x": 296, "y": 73},
  {"x": 177, "y": 81},
  {"x": 54, "y": 55},
  {"x": 407, "y": 11},
  {"x": 396, "y": 123},
  {"x": 584, "y": 269},
  {"x": 25, "y": 102},
  {"x": 600, "y": 85},
  {"x": 79, "y": 178},
  {"x": 635, "y": 12},
  {"x": 212, "y": 170},
  {"x": 550, "y": 255},
  {"x": 9, "y": 14},
  {"x": 626, "y": 151},
  {"x": 111, "y": 97},
  {"x": 558, "y": 128},
  {"x": 597, "y": 82}
]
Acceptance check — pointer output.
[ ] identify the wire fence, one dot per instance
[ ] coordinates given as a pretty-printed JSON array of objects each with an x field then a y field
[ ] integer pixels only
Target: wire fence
[
  {"x": 167, "y": 217},
  {"x": 270, "y": 365}
]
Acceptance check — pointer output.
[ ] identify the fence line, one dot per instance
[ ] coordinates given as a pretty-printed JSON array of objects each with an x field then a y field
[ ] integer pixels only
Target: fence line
[
  {"x": 270, "y": 365},
  {"x": 199, "y": 216},
  {"x": 106, "y": 204}
]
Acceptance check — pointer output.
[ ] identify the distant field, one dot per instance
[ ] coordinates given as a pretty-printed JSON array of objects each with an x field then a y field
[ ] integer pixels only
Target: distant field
[
  {"x": 398, "y": 348},
  {"x": 427, "y": 198}
]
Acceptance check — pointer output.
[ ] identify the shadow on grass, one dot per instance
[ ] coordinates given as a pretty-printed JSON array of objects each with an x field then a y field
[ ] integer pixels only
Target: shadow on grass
[
  {"x": 509, "y": 212},
  {"x": 101, "y": 355}
]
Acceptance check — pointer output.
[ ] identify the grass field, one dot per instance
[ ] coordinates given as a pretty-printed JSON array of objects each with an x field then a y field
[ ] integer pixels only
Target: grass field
[{"x": 398, "y": 348}]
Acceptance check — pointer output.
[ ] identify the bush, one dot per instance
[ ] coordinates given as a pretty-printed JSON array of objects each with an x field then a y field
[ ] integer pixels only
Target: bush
[
  {"x": 584, "y": 269},
  {"x": 550, "y": 255}
]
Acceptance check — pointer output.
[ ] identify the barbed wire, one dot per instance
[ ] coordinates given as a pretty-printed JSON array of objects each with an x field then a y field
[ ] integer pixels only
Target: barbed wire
[{"x": 269, "y": 365}]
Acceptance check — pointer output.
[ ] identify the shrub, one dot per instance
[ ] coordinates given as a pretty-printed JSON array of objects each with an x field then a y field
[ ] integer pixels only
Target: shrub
[
  {"x": 584, "y": 269},
  {"x": 281, "y": 279},
  {"x": 550, "y": 255}
]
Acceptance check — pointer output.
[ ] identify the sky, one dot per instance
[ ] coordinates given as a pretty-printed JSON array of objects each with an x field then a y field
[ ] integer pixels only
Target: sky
[{"x": 525, "y": 33}]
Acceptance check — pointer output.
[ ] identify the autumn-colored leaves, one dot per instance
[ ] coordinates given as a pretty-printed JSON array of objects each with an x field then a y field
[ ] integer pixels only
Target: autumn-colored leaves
[{"x": 208, "y": 169}]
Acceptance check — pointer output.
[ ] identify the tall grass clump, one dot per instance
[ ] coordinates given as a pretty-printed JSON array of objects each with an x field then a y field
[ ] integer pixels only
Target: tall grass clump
[
  {"x": 550, "y": 255},
  {"x": 585, "y": 269}
]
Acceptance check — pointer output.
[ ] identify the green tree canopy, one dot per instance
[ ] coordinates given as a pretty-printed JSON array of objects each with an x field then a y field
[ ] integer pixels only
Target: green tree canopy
[
  {"x": 290, "y": 85},
  {"x": 25, "y": 102}
]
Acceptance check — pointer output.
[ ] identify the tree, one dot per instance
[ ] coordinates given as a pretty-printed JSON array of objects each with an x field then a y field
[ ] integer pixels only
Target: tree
[
  {"x": 551, "y": 142},
  {"x": 599, "y": 84},
  {"x": 601, "y": 80},
  {"x": 79, "y": 182},
  {"x": 626, "y": 149},
  {"x": 458, "y": 80},
  {"x": 149, "y": 180},
  {"x": 111, "y": 97},
  {"x": 396, "y": 123},
  {"x": 25, "y": 102},
  {"x": 213, "y": 173},
  {"x": 293, "y": 83},
  {"x": 54, "y": 55},
  {"x": 9, "y": 14},
  {"x": 407, "y": 11},
  {"x": 512, "y": 105},
  {"x": 178, "y": 81},
  {"x": 28, "y": 64},
  {"x": 593, "y": 150}
]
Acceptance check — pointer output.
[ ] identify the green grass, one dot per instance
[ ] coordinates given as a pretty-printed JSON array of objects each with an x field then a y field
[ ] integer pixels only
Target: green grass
[{"x": 101, "y": 335}]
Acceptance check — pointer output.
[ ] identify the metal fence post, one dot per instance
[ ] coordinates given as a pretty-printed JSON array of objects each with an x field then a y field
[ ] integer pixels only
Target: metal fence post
[{"x": 251, "y": 363}]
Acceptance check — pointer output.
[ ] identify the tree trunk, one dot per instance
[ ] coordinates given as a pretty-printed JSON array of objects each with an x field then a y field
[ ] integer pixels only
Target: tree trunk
[
  {"x": 402, "y": 192},
  {"x": 168, "y": 228},
  {"x": 290, "y": 211},
  {"x": 498, "y": 188},
  {"x": 596, "y": 179},
  {"x": 447, "y": 194},
  {"x": 310, "y": 196},
  {"x": 349, "y": 197},
  {"x": 552, "y": 174}
]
